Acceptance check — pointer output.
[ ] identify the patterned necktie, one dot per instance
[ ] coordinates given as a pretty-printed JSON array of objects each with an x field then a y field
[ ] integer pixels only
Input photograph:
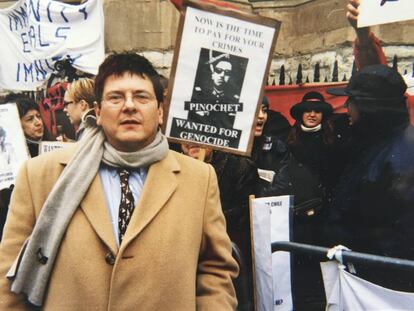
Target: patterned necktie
[{"x": 126, "y": 206}]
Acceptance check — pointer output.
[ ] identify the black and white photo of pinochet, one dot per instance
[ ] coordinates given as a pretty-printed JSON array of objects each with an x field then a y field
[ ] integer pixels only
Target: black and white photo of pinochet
[{"x": 217, "y": 87}]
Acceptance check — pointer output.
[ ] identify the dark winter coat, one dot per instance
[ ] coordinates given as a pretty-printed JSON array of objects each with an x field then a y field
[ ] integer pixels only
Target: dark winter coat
[
  {"x": 237, "y": 179},
  {"x": 373, "y": 210},
  {"x": 270, "y": 153}
]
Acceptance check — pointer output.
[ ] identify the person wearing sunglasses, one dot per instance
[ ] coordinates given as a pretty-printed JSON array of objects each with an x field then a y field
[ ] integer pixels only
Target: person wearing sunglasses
[{"x": 214, "y": 100}]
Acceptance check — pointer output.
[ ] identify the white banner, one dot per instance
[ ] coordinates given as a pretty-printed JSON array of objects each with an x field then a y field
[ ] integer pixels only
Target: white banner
[
  {"x": 346, "y": 292},
  {"x": 34, "y": 34},
  {"x": 271, "y": 223},
  {"x": 375, "y": 12},
  {"x": 13, "y": 148}
]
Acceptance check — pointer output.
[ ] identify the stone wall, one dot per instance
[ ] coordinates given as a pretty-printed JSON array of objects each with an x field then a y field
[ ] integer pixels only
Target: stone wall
[
  {"x": 312, "y": 31},
  {"x": 317, "y": 31},
  {"x": 140, "y": 25}
]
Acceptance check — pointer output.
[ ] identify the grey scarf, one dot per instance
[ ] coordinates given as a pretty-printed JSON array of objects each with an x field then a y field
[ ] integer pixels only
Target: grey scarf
[{"x": 38, "y": 255}]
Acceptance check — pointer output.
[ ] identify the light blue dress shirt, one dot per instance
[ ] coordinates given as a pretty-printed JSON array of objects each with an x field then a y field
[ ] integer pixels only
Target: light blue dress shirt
[{"x": 112, "y": 189}]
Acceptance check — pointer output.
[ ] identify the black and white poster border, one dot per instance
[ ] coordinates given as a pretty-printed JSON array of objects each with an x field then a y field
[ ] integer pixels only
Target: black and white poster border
[{"x": 221, "y": 61}]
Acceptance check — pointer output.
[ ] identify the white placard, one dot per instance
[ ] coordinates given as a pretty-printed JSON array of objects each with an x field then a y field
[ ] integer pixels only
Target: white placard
[
  {"x": 219, "y": 73},
  {"x": 375, "y": 12},
  {"x": 271, "y": 222},
  {"x": 47, "y": 146},
  {"x": 35, "y": 34},
  {"x": 13, "y": 148}
]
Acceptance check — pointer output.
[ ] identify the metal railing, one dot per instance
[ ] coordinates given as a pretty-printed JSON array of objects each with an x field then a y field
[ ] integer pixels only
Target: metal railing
[{"x": 347, "y": 256}]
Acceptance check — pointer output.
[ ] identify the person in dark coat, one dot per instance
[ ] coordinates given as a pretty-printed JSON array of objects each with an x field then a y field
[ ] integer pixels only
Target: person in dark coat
[
  {"x": 312, "y": 172},
  {"x": 237, "y": 179},
  {"x": 270, "y": 152},
  {"x": 313, "y": 167},
  {"x": 373, "y": 207}
]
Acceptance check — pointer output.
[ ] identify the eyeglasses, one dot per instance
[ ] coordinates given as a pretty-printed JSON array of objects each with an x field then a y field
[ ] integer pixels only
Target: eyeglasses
[
  {"x": 220, "y": 71},
  {"x": 119, "y": 99},
  {"x": 65, "y": 103}
]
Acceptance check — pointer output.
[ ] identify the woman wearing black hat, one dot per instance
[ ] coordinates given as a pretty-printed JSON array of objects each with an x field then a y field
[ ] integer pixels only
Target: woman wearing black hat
[
  {"x": 311, "y": 141},
  {"x": 313, "y": 172}
]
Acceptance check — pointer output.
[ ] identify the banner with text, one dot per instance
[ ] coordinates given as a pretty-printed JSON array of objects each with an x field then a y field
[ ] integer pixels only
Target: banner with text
[
  {"x": 217, "y": 79},
  {"x": 13, "y": 148},
  {"x": 375, "y": 12},
  {"x": 271, "y": 222},
  {"x": 35, "y": 34}
]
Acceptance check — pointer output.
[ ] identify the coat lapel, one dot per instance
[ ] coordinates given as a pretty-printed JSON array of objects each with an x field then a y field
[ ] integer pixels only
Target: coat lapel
[
  {"x": 160, "y": 184},
  {"x": 94, "y": 206}
]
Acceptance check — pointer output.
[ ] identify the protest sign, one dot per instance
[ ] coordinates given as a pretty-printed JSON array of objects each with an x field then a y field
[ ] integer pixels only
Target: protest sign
[
  {"x": 347, "y": 292},
  {"x": 375, "y": 12},
  {"x": 47, "y": 146},
  {"x": 271, "y": 222},
  {"x": 35, "y": 34},
  {"x": 219, "y": 70},
  {"x": 13, "y": 148}
]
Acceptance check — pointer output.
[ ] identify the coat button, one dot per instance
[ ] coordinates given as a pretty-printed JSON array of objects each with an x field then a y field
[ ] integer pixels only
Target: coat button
[{"x": 110, "y": 259}]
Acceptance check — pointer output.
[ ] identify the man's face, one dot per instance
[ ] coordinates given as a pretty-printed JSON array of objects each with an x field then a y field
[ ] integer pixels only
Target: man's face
[
  {"x": 32, "y": 125},
  {"x": 221, "y": 74},
  {"x": 73, "y": 110},
  {"x": 261, "y": 121},
  {"x": 312, "y": 118},
  {"x": 129, "y": 112}
]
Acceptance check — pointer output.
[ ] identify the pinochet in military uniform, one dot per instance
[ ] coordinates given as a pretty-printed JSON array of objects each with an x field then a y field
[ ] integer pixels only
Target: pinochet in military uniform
[{"x": 220, "y": 108}]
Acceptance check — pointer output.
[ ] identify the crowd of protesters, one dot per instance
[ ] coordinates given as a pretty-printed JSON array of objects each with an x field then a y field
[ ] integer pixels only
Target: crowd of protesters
[{"x": 351, "y": 185}]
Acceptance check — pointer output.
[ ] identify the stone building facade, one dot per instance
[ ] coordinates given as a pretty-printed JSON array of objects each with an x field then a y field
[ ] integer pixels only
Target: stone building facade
[{"x": 312, "y": 31}]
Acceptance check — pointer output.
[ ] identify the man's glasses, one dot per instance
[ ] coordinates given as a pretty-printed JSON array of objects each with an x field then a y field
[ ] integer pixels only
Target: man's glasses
[
  {"x": 121, "y": 99},
  {"x": 220, "y": 71}
]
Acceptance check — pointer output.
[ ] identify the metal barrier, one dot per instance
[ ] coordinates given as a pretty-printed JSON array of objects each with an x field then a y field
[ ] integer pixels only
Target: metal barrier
[{"x": 347, "y": 256}]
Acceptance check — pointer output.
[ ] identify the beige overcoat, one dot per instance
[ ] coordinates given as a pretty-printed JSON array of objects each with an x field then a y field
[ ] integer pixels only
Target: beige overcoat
[{"x": 175, "y": 255}]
